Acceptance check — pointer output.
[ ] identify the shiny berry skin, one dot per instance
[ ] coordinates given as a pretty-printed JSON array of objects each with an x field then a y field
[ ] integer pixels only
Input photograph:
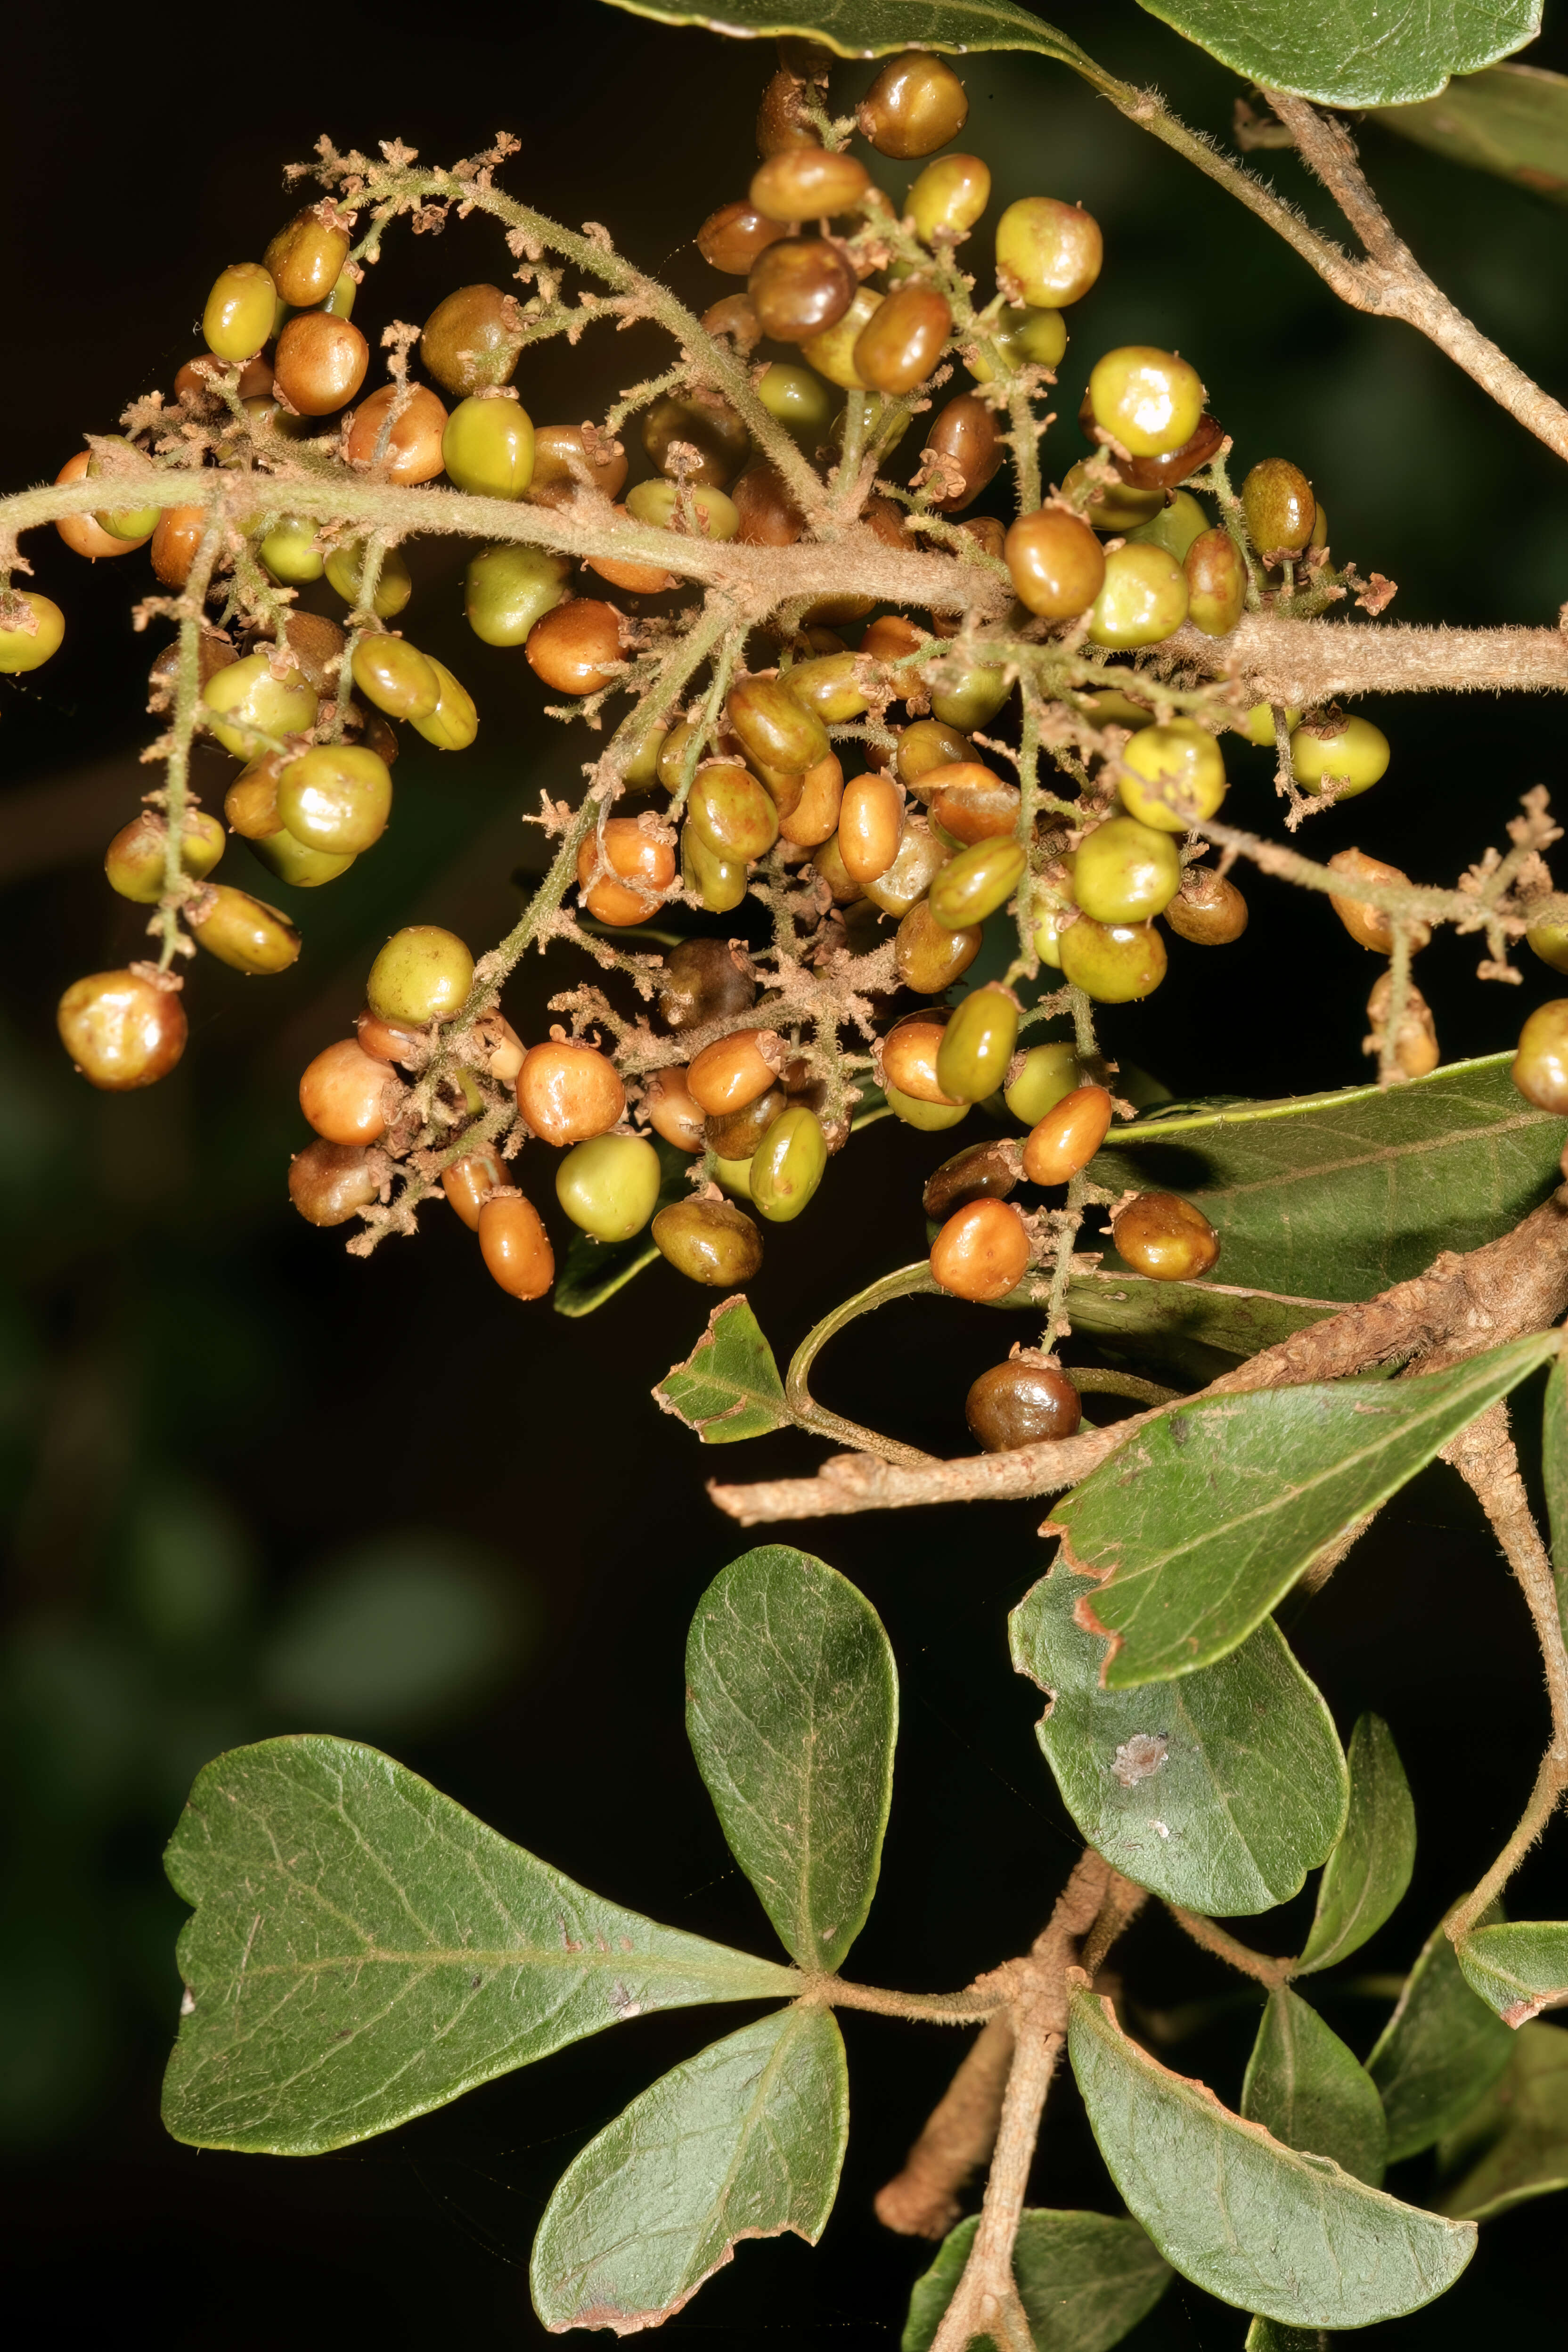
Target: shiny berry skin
[
  {"x": 305, "y": 259},
  {"x": 704, "y": 980},
  {"x": 976, "y": 883},
  {"x": 734, "y": 1070},
  {"x": 985, "y": 1171},
  {"x": 736, "y": 1134},
  {"x": 394, "y": 586},
  {"x": 916, "y": 104},
  {"x": 610, "y": 1186},
  {"x": 972, "y": 698},
  {"x": 978, "y": 1045},
  {"x": 730, "y": 812},
  {"x": 1049, "y": 1074},
  {"x": 967, "y": 435},
  {"x": 1279, "y": 509},
  {"x": 1174, "y": 528},
  {"x": 288, "y": 551},
  {"x": 909, "y": 1058},
  {"x": 971, "y": 804},
  {"x": 798, "y": 400},
  {"x": 1124, "y": 872},
  {"x": 79, "y": 532},
  {"x": 1549, "y": 942},
  {"x": 240, "y": 313},
  {"x": 1208, "y": 909},
  {"x": 248, "y": 697},
  {"x": 1068, "y": 1135},
  {"x": 330, "y": 1182},
  {"x": 122, "y": 1029},
  {"x": 1541, "y": 1064},
  {"x": 28, "y": 648},
  {"x": 799, "y": 288},
  {"x": 133, "y": 861},
  {"x": 827, "y": 684},
  {"x": 711, "y": 1242},
  {"x": 1166, "y": 1238},
  {"x": 829, "y": 864},
  {"x": 471, "y": 340},
  {"x": 709, "y": 426},
  {"x": 295, "y": 863},
  {"x": 487, "y": 447},
  {"x": 244, "y": 932},
  {"x": 413, "y": 451},
  {"x": 1258, "y": 726},
  {"x": 561, "y": 459},
  {"x": 904, "y": 884},
  {"x": 569, "y": 1093},
  {"x": 1143, "y": 599},
  {"x": 1177, "y": 465},
  {"x": 641, "y": 867},
  {"x": 1352, "y": 757},
  {"x": 1115, "y": 963},
  {"x": 673, "y": 1113},
  {"x": 774, "y": 726},
  {"x": 982, "y": 1252},
  {"x": 732, "y": 238},
  {"x": 177, "y": 536},
  {"x": 787, "y": 1165},
  {"x": 1109, "y": 506},
  {"x": 454, "y": 722},
  {"x": 813, "y": 816},
  {"x": 1148, "y": 399},
  {"x": 1371, "y": 927},
  {"x": 949, "y": 197},
  {"x": 514, "y": 1244},
  {"x": 1025, "y": 338},
  {"x": 320, "y": 363},
  {"x": 871, "y": 821},
  {"x": 1048, "y": 254},
  {"x": 336, "y": 798},
  {"x": 927, "y": 745},
  {"x": 928, "y": 1118},
  {"x": 423, "y": 975},
  {"x": 1024, "y": 1401},
  {"x": 928, "y": 956},
  {"x": 902, "y": 341},
  {"x": 1216, "y": 582},
  {"x": 507, "y": 589},
  {"x": 396, "y": 676},
  {"x": 832, "y": 352},
  {"x": 1173, "y": 776},
  {"x": 1414, "y": 1049},
  {"x": 802, "y": 184},
  {"x": 575, "y": 647},
  {"x": 655, "y": 503},
  {"x": 1057, "y": 563},
  {"x": 341, "y": 1093},
  {"x": 468, "y": 1180}
]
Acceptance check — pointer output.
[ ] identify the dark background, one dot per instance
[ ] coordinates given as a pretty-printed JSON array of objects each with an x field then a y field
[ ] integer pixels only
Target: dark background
[{"x": 257, "y": 1485}]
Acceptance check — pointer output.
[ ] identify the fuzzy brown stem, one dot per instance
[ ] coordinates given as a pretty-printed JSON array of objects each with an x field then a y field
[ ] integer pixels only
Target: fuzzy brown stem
[
  {"x": 923, "y": 2200},
  {"x": 1225, "y": 1946}
]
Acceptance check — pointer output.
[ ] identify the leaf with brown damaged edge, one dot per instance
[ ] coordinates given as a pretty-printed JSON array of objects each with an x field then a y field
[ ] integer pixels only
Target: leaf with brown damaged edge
[
  {"x": 1204, "y": 1520},
  {"x": 745, "y": 2140},
  {"x": 1519, "y": 1968},
  {"x": 729, "y": 1387}
]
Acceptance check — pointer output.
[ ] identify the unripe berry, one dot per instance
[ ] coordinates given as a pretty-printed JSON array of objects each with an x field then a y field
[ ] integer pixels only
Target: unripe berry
[
  {"x": 471, "y": 340},
  {"x": 133, "y": 861},
  {"x": 30, "y": 647},
  {"x": 1113, "y": 963},
  {"x": 1165, "y": 1238},
  {"x": 1143, "y": 599},
  {"x": 1351, "y": 755},
  {"x": 1057, "y": 563},
  {"x": 1541, "y": 1064},
  {"x": 337, "y": 798},
  {"x": 239, "y": 311},
  {"x": 305, "y": 259},
  {"x": 422, "y": 974},
  {"x": 1048, "y": 254},
  {"x": 1173, "y": 776},
  {"x": 1148, "y": 399},
  {"x": 711, "y": 1242},
  {"x": 487, "y": 447},
  {"x": 1278, "y": 504},
  {"x": 916, "y": 104},
  {"x": 610, "y": 1186}
]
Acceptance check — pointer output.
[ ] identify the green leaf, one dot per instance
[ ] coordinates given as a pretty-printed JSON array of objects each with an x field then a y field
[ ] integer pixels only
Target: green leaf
[
  {"x": 1176, "y": 1313},
  {"x": 591, "y": 1272},
  {"x": 1303, "y": 2085},
  {"x": 1517, "y": 1968},
  {"x": 1441, "y": 2051},
  {"x": 1368, "y": 1869},
  {"x": 1515, "y": 2142},
  {"x": 1083, "y": 2279},
  {"x": 1288, "y": 2236},
  {"x": 745, "y": 2140},
  {"x": 1336, "y": 1196},
  {"x": 1555, "y": 1472},
  {"x": 729, "y": 1387},
  {"x": 1268, "y": 2335},
  {"x": 363, "y": 1951},
  {"x": 1510, "y": 120},
  {"x": 1205, "y": 1517},
  {"x": 792, "y": 1702},
  {"x": 1219, "y": 1791},
  {"x": 1345, "y": 54},
  {"x": 870, "y": 28}
]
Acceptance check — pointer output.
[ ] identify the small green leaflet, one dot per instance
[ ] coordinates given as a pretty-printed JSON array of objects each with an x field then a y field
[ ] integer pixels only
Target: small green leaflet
[
  {"x": 593, "y": 1272},
  {"x": 870, "y": 28},
  {"x": 745, "y": 2140},
  {"x": 1084, "y": 2280},
  {"x": 1344, "y": 53},
  {"x": 1268, "y": 2335},
  {"x": 1205, "y": 1518},
  {"x": 1219, "y": 1791},
  {"x": 1510, "y": 120},
  {"x": 1555, "y": 1472},
  {"x": 1519, "y": 1968},
  {"x": 1515, "y": 2142},
  {"x": 729, "y": 1387},
  {"x": 363, "y": 1951},
  {"x": 792, "y": 1704},
  {"x": 1368, "y": 1869},
  {"x": 1440, "y": 2052},
  {"x": 1303, "y": 2085},
  {"x": 1290, "y": 2237},
  {"x": 1336, "y": 1196}
]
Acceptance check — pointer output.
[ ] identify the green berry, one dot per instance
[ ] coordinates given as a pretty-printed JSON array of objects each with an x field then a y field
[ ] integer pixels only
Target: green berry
[
  {"x": 1174, "y": 528},
  {"x": 1051, "y": 252},
  {"x": 290, "y": 553},
  {"x": 249, "y": 699},
  {"x": 1113, "y": 962},
  {"x": 1279, "y": 507},
  {"x": 730, "y": 812},
  {"x": 336, "y": 798},
  {"x": 1148, "y": 399},
  {"x": 487, "y": 448},
  {"x": 787, "y": 1166},
  {"x": 929, "y": 1117},
  {"x": 30, "y": 648},
  {"x": 295, "y": 863},
  {"x": 422, "y": 974},
  {"x": 244, "y": 932},
  {"x": 710, "y": 1241},
  {"x": 1049, "y": 1074},
  {"x": 977, "y": 1044},
  {"x": 717, "y": 883},
  {"x": 797, "y": 400},
  {"x": 133, "y": 861},
  {"x": 1143, "y": 601},
  {"x": 1173, "y": 776},
  {"x": 970, "y": 699},
  {"x": 610, "y": 1186},
  {"x": 396, "y": 676},
  {"x": 394, "y": 587},
  {"x": 1352, "y": 758},
  {"x": 1026, "y": 339},
  {"x": 1125, "y": 872},
  {"x": 454, "y": 722},
  {"x": 976, "y": 882},
  {"x": 654, "y": 503},
  {"x": 240, "y": 312},
  {"x": 507, "y": 589}
]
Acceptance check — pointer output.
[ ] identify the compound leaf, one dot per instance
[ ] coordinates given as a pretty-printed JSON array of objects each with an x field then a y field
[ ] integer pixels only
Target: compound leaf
[
  {"x": 793, "y": 1710},
  {"x": 1368, "y": 1869},
  {"x": 1084, "y": 2281},
  {"x": 1515, "y": 2142},
  {"x": 870, "y": 28},
  {"x": 745, "y": 2140},
  {"x": 1290, "y": 2237},
  {"x": 1303, "y": 2085},
  {"x": 1510, "y": 120},
  {"x": 1205, "y": 1518},
  {"x": 1517, "y": 1968},
  {"x": 729, "y": 1387},
  {"x": 1441, "y": 2052},
  {"x": 1344, "y": 54},
  {"x": 1336, "y": 1196},
  {"x": 363, "y": 1951},
  {"x": 1219, "y": 1791}
]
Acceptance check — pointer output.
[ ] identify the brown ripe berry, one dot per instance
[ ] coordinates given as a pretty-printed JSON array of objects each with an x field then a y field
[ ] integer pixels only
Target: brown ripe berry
[
  {"x": 1165, "y": 1237},
  {"x": 982, "y": 1171},
  {"x": 890, "y": 637},
  {"x": 871, "y": 821},
  {"x": 735, "y": 1134},
  {"x": 814, "y": 818},
  {"x": 1369, "y": 926},
  {"x": 514, "y": 1244},
  {"x": 711, "y": 1242},
  {"x": 734, "y": 1070},
  {"x": 471, "y": 340},
  {"x": 732, "y": 315},
  {"x": 1068, "y": 1136},
  {"x": 909, "y": 1052},
  {"x": 123, "y": 1029},
  {"x": 705, "y": 980},
  {"x": 633, "y": 578},
  {"x": 392, "y": 1041},
  {"x": 1056, "y": 563},
  {"x": 709, "y": 426},
  {"x": 199, "y": 379},
  {"x": 1024, "y": 1401},
  {"x": 829, "y": 866},
  {"x": 175, "y": 543},
  {"x": 1415, "y": 1052},
  {"x": 1541, "y": 1064},
  {"x": 982, "y": 1252},
  {"x": 568, "y": 1092},
  {"x": 769, "y": 515},
  {"x": 305, "y": 259},
  {"x": 674, "y": 1112},
  {"x": 641, "y": 862},
  {"x": 250, "y": 802},
  {"x": 561, "y": 458},
  {"x": 1216, "y": 582},
  {"x": 320, "y": 364},
  {"x": 1207, "y": 909},
  {"x": 779, "y": 123},
  {"x": 964, "y": 435},
  {"x": 328, "y": 1182},
  {"x": 1169, "y": 471},
  {"x": 732, "y": 238},
  {"x": 468, "y": 1182},
  {"x": 82, "y": 534},
  {"x": 808, "y": 183},
  {"x": 575, "y": 647},
  {"x": 773, "y": 726},
  {"x": 341, "y": 1093},
  {"x": 799, "y": 288},
  {"x": 916, "y": 104},
  {"x": 927, "y": 956},
  {"x": 971, "y": 804},
  {"x": 902, "y": 341},
  {"x": 926, "y": 746},
  {"x": 1278, "y": 503},
  {"x": 413, "y": 451}
]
